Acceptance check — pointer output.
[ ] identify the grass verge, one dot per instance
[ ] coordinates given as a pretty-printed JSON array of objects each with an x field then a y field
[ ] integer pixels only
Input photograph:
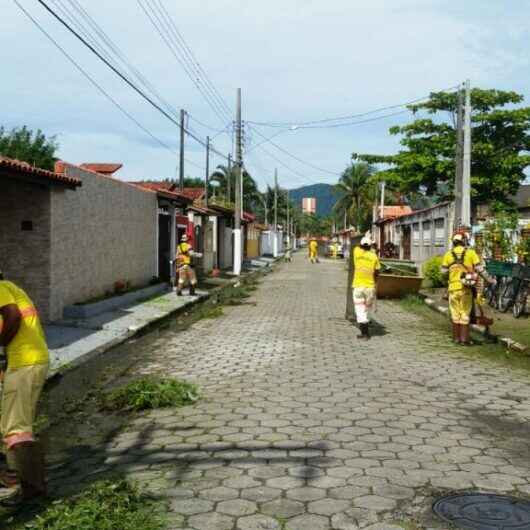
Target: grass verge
[
  {"x": 151, "y": 393},
  {"x": 108, "y": 505},
  {"x": 495, "y": 352}
]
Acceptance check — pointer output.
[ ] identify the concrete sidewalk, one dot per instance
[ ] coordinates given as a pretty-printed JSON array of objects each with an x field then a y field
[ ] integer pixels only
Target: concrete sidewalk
[{"x": 74, "y": 341}]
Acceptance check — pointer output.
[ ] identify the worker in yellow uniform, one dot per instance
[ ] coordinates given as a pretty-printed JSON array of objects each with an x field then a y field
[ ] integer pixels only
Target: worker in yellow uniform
[
  {"x": 313, "y": 250},
  {"x": 185, "y": 270},
  {"x": 463, "y": 266},
  {"x": 26, "y": 356},
  {"x": 366, "y": 269}
]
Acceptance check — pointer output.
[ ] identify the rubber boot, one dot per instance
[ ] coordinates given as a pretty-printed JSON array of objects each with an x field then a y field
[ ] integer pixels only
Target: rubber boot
[
  {"x": 9, "y": 477},
  {"x": 365, "y": 333},
  {"x": 456, "y": 333},
  {"x": 192, "y": 290},
  {"x": 30, "y": 466},
  {"x": 179, "y": 291},
  {"x": 465, "y": 335}
]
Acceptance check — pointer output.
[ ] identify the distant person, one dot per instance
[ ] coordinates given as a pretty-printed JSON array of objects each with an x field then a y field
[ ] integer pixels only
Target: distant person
[
  {"x": 25, "y": 367},
  {"x": 463, "y": 265},
  {"x": 366, "y": 269},
  {"x": 313, "y": 250},
  {"x": 185, "y": 271}
]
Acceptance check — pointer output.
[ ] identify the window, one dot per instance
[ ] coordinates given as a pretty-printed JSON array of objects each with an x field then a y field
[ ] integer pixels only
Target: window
[
  {"x": 416, "y": 233},
  {"x": 426, "y": 232},
  {"x": 439, "y": 231}
]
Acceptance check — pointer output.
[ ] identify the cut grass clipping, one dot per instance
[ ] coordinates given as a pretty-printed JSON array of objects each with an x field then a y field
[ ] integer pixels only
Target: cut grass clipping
[
  {"x": 152, "y": 393},
  {"x": 108, "y": 505}
]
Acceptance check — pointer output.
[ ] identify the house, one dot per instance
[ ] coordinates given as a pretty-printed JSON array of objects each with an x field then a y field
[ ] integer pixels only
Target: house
[
  {"x": 69, "y": 235},
  {"x": 422, "y": 234},
  {"x": 384, "y": 233},
  {"x": 253, "y": 233}
]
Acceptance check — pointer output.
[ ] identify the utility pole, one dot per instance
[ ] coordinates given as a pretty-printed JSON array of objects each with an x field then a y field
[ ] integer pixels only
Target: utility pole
[
  {"x": 288, "y": 223},
  {"x": 275, "y": 200},
  {"x": 207, "y": 176},
  {"x": 382, "y": 212},
  {"x": 229, "y": 178},
  {"x": 238, "y": 254},
  {"x": 459, "y": 159},
  {"x": 181, "y": 154},
  {"x": 466, "y": 173}
]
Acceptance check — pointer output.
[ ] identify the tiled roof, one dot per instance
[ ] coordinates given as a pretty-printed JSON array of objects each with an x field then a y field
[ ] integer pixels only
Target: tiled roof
[
  {"x": 24, "y": 168},
  {"x": 163, "y": 190},
  {"x": 395, "y": 211},
  {"x": 104, "y": 168},
  {"x": 194, "y": 193}
]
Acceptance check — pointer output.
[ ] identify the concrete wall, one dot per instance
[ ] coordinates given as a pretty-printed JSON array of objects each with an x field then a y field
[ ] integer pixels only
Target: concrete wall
[
  {"x": 103, "y": 232},
  {"x": 25, "y": 254},
  {"x": 226, "y": 247}
]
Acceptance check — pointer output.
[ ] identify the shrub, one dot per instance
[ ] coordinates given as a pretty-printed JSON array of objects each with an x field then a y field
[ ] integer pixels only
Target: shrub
[
  {"x": 151, "y": 393},
  {"x": 105, "y": 506},
  {"x": 432, "y": 270}
]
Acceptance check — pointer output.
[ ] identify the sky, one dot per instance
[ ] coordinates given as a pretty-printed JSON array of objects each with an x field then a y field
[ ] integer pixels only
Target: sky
[{"x": 295, "y": 61}]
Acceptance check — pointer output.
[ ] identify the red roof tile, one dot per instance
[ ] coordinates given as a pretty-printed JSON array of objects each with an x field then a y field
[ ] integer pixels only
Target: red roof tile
[
  {"x": 163, "y": 189},
  {"x": 395, "y": 211},
  {"x": 103, "y": 168},
  {"x": 194, "y": 193},
  {"x": 21, "y": 167}
]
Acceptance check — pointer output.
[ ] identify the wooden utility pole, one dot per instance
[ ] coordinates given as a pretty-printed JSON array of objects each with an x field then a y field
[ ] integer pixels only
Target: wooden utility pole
[
  {"x": 466, "y": 173},
  {"x": 229, "y": 179},
  {"x": 238, "y": 254},
  {"x": 181, "y": 154},
  {"x": 459, "y": 159},
  {"x": 349, "y": 291},
  {"x": 207, "y": 176}
]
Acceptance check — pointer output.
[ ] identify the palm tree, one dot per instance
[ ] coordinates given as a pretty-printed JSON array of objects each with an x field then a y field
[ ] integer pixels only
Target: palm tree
[
  {"x": 356, "y": 187},
  {"x": 227, "y": 181}
]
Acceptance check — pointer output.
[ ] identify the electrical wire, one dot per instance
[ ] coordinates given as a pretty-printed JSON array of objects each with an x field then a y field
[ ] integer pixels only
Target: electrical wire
[
  {"x": 194, "y": 60},
  {"x": 163, "y": 28},
  {"x": 98, "y": 86},
  {"x": 306, "y": 124},
  {"x": 308, "y": 164},
  {"x": 113, "y": 49},
  {"x": 120, "y": 74}
]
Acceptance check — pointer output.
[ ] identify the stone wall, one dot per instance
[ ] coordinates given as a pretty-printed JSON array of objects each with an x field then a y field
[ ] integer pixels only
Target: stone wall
[
  {"x": 103, "y": 232},
  {"x": 25, "y": 253}
]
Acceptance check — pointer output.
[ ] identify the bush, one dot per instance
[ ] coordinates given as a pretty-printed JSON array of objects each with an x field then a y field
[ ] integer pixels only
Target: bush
[
  {"x": 105, "y": 506},
  {"x": 151, "y": 393},
  {"x": 432, "y": 270}
]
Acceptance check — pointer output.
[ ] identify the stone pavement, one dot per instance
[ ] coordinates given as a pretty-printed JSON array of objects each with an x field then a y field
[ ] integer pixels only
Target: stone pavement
[{"x": 302, "y": 427}]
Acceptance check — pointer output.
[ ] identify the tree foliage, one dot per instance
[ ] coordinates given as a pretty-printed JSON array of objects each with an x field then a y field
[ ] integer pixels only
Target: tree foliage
[
  {"x": 33, "y": 147},
  {"x": 500, "y": 146},
  {"x": 251, "y": 195}
]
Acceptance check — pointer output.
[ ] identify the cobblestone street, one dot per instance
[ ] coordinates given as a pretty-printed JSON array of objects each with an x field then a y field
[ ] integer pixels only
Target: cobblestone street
[{"x": 302, "y": 427}]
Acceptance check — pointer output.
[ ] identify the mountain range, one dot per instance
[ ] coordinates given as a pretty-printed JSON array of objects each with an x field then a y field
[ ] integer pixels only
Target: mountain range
[{"x": 325, "y": 194}]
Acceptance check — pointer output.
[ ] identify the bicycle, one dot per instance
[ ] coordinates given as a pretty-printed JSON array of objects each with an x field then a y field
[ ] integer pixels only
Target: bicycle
[{"x": 519, "y": 304}]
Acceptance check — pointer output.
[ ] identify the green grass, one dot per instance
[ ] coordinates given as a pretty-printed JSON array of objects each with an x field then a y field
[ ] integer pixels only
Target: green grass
[
  {"x": 108, "y": 505},
  {"x": 494, "y": 352},
  {"x": 151, "y": 393}
]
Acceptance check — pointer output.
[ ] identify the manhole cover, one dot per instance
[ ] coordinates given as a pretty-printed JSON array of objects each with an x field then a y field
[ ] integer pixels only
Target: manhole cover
[{"x": 481, "y": 511}]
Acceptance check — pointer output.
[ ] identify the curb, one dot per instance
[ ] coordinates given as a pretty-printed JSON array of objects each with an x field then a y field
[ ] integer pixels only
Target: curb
[
  {"x": 509, "y": 343},
  {"x": 136, "y": 331}
]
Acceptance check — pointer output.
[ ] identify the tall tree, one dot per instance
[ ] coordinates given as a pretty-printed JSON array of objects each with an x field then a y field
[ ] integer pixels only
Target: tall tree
[
  {"x": 33, "y": 147},
  {"x": 500, "y": 146},
  {"x": 251, "y": 194},
  {"x": 357, "y": 187}
]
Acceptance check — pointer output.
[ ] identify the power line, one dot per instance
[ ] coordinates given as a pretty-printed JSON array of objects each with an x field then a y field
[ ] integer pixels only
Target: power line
[
  {"x": 98, "y": 86},
  {"x": 268, "y": 140},
  {"x": 119, "y": 73},
  {"x": 114, "y": 49},
  {"x": 163, "y": 29},
  {"x": 348, "y": 117},
  {"x": 195, "y": 61}
]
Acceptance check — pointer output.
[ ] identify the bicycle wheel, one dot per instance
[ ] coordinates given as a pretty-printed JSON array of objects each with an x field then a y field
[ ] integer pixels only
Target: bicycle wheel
[
  {"x": 519, "y": 306},
  {"x": 490, "y": 295},
  {"x": 506, "y": 295}
]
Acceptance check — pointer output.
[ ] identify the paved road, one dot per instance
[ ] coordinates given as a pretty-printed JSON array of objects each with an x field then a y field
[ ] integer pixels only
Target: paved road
[{"x": 302, "y": 427}]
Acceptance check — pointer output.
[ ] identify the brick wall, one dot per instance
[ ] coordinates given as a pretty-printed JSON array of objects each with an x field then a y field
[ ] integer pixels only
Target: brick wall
[
  {"x": 102, "y": 232},
  {"x": 25, "y": 254}
]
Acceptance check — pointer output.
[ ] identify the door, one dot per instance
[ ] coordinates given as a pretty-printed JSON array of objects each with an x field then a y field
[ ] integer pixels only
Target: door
[
  {"x": 405, "y": 242},
  {"x": 164, "y": 247}
]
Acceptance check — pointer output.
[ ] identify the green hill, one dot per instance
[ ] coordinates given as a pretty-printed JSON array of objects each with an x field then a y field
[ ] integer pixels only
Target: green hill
[{"x": 325, "y": 195}]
